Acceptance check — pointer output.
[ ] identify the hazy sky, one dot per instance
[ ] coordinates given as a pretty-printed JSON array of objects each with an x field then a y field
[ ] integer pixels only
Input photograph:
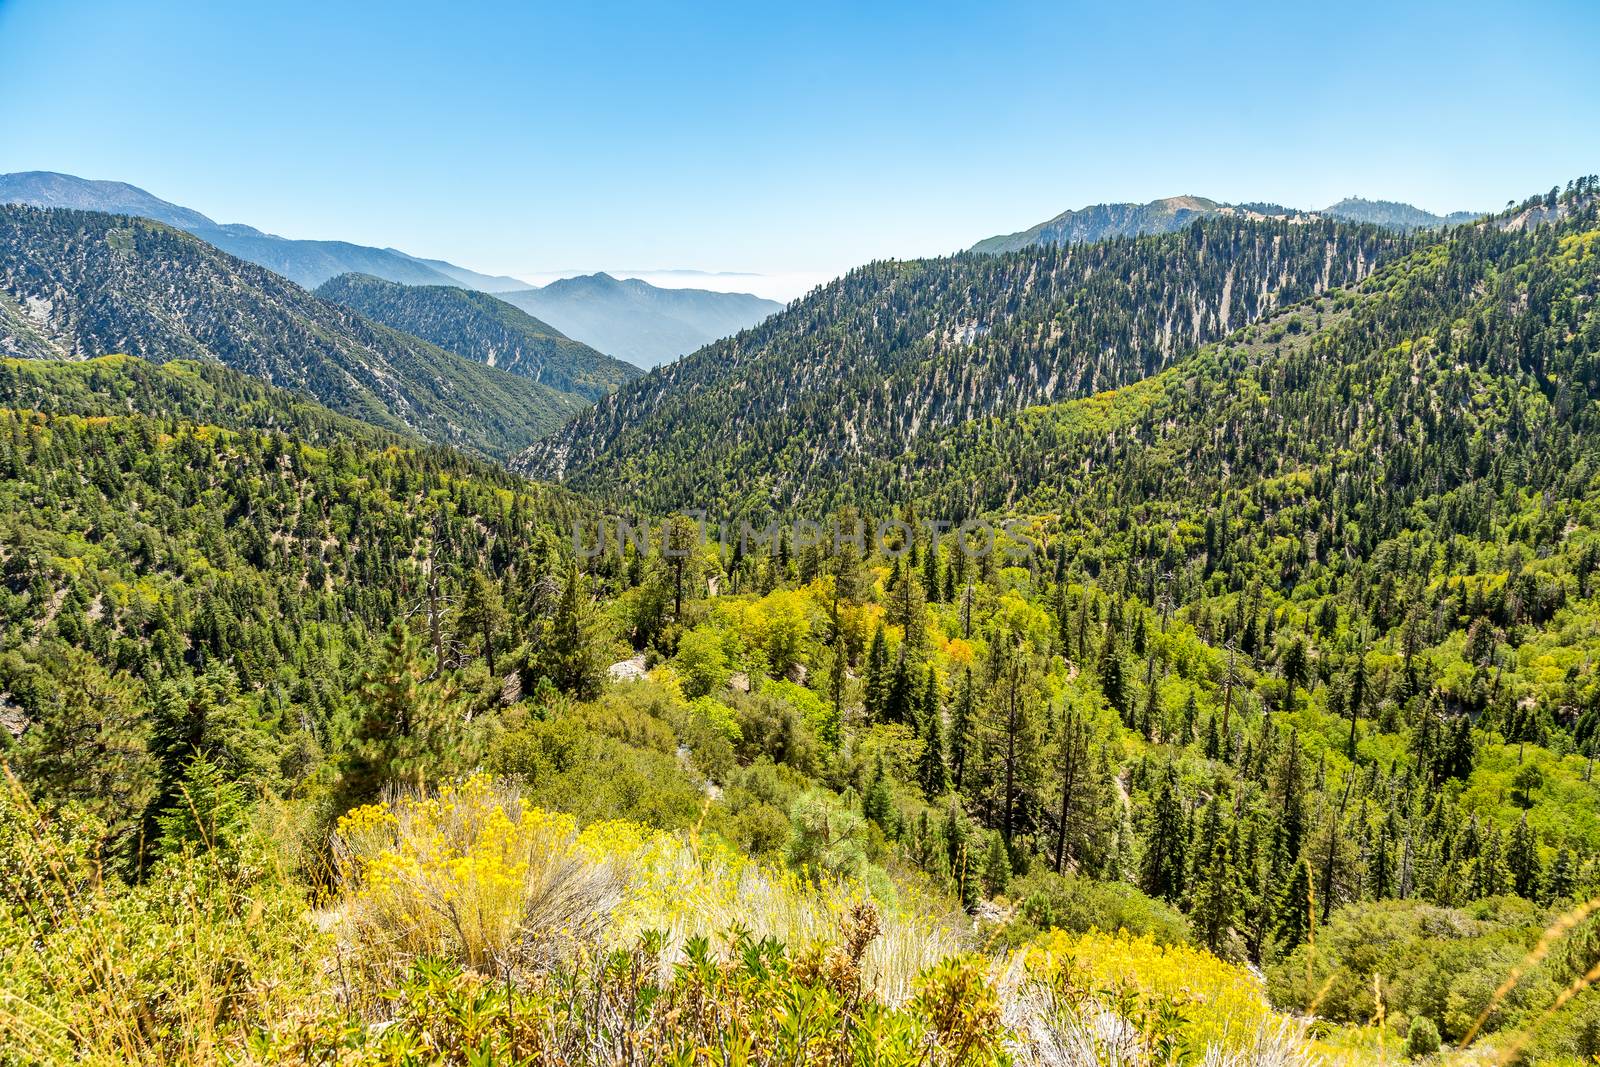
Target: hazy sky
[{"x": 529, "y": 138}]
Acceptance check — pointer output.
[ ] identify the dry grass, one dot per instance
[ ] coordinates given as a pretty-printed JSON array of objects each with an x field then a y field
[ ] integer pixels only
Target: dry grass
[{"x": 170, "y": 971}]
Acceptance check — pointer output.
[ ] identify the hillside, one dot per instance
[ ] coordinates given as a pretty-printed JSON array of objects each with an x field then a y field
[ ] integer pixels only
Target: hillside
[
  {"x": 858, "y": 372},
  {"x": 484, "y": 329},
  {"x": 1299, "y": 388},
  {"x": 79, "y": 284},
  {"x": 639, "y": 322}
]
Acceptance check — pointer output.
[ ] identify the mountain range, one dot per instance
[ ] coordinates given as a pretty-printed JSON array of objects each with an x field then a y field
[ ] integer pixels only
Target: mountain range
[
  {"x": 1101, "y": 221},
  {"x": 81, "y": 284},
  {"x": 633, "y": 321}
]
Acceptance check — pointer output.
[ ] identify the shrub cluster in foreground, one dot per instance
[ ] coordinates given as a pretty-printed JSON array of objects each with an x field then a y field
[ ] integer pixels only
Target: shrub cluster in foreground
[{"x": 468, "y": 926}]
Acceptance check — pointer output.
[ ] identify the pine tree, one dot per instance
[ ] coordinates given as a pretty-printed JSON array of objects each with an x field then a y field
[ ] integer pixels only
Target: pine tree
[
  {"x": 1294, "y": 671},
  {"x": 1191, "y": 716},
  {"x": 1208, "y": 833},
  {"x": 680, "y": 541},
  {"x": 89, "y": 745},
  {"x": 1113, "y": 683},
  {"x": 877, "y": 804},
  {"x": 1294, "y": 913},
  {"x": 964, "y": 866},
  {"x": 1072, "y": 756},
  {"x": 1165, "y": 843},
  {"x": 1356, "y": 699},
  {"x": 1460, "y": 753},
  {"x": 930, "y": 571},
  {"x": 1150, "y": 722},
  {"x": 408, "y": 723},
  {"x": 1015, "y": 681},
  {"x": 570, "y": 653},
  {"x": 929, "y": 705},
  {"x": 202, "y": 715},
  {"x": 932, "y": 772},
  {"x": 1561, "y": 880},
  {"x": 907, "y": 608},
  {"x": 900, "y": 701},
  {"x": 961, "y": 724},
  {"x": 1219, "y": 894},
  {"x": 209, "y": 811},
  {"x": 1488, "y": 876},
  {"x": 1522, "y": 860},
  {"x": 483, "y": 616},
  {"x": 996, "y": 867},
  {"x": 876, "y": 695},
  {"x": 1380, "y": 870},
  {"x": 1291, "y": 798}
]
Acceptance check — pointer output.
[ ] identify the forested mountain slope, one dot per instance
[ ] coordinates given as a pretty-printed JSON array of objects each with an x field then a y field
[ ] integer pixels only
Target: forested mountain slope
[
  {"x": 81, "y": 284},
  {"x": 863, "y": 369},
  {"x": 631, "y": 319},
  {"x": 183, "y": 532},
  {"x": 1336, "y": 383},
  {"x": 485, "y": 329}
]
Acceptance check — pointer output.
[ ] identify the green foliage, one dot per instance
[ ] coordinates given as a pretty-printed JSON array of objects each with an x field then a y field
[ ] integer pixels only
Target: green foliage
[
  {"x": 1442, "y": 963},
  {"x": 826, "y": 840},
  {"x": 210, "y": 812},
  {"x": 408, "y": 721},
  {"x": 1050, "y": 901},
  {"x": 88, "y": 746},
  {"x": 1422, "y": 1039},
  {"x": 701, "y": 662},
  {"x": 996, "y": 867}
]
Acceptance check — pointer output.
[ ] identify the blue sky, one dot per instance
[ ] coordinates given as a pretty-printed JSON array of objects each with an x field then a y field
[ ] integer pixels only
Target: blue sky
[{"x": 528, "y": 137}]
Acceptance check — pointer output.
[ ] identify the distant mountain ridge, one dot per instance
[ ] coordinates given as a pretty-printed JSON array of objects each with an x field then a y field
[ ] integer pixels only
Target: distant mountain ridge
[
  {"x": 484, "y": 329},
  {"x": 1099, "y": 222},
  {"x": 80, "y": 284},
  {"x": 1394, "y": 214},
  {"x": 306, "y": 263},
  {"x": 637, "y": 322}
]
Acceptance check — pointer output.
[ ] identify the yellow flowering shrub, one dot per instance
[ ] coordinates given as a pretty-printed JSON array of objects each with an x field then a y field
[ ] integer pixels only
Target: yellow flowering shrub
[
  {"x": 471, "y": 872},
  {"x": 1221, "y": 1003},
  {"x": 476, "y": 874}
]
